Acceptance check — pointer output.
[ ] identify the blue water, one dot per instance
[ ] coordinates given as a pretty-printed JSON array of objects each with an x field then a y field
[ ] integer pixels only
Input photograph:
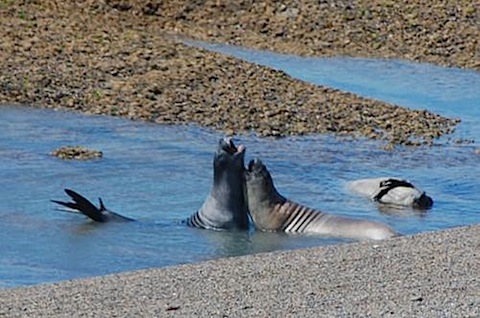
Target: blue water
[
  {"x": 451, "y": 92},
  {"x": 159, "y": 175}
]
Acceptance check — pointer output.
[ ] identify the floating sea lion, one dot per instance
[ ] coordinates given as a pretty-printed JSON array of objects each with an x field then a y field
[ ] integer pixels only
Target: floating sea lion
[
  {"x": 81, "y": 205},
  {"x": 391, "y": 191},
  {"x": 225, "y": 207},
  {"x": 271, "y": 211}
]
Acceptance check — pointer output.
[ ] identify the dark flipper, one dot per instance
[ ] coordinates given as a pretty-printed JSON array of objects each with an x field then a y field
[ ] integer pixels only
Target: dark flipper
[{"x": 84, "y": 206}]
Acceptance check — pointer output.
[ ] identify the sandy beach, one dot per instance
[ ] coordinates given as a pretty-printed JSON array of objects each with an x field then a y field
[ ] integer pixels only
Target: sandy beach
[
  {"x": 426, "y": 275},
  {"x": 119, "y": 58}
]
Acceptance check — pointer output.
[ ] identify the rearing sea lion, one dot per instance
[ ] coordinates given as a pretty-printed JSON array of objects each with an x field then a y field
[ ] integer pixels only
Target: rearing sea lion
[
  {"x": 271, "y": 211},
  {"x": 225, "y": 207}
]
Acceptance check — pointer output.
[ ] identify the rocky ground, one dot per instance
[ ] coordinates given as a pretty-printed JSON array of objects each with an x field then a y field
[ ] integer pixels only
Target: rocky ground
[
  {"x": 117, "y": 58},
  {"x": 440, "y": 32}
]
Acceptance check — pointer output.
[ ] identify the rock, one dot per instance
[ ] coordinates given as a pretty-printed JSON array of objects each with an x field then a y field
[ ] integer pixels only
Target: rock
[{"x": 76, "y": 153}]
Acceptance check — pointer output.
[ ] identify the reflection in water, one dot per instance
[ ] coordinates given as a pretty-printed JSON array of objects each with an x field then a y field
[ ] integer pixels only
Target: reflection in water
[
  {"x": 400, "y": 211},
  {"x": 252, "y": 242},
  {"x": 159, "y": 175}
]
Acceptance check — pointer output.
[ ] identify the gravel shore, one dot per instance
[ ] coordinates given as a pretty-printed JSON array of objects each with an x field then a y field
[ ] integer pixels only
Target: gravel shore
[{"x": 426, "y": 275}]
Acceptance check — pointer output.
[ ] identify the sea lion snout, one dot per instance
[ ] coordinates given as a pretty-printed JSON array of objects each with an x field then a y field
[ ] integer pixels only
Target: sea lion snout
[
  {"x": 226, "y": 145},
  {"x": 229, "y": 155},
  {"x": 424, "y": 202},
  {"x": 256, "y": 170},
  {"x": 256, "y": 165}
]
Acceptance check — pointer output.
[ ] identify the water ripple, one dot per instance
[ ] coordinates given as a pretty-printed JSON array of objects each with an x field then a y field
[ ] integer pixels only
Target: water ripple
[{"x": 160, "y": 174}]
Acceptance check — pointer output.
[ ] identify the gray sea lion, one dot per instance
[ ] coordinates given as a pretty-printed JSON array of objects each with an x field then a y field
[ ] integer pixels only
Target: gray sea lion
[
  {"x": 225, "y": 207},
  {"x": 271, "y": 211},
  {"x": 391, "y": 191},
  {"x": 81, "y": 205}
]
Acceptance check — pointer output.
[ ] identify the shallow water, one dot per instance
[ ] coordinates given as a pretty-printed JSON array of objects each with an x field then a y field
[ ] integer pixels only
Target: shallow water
[
  {"x": 159, "y": 175},
  {"x": 450, "y": 92}
]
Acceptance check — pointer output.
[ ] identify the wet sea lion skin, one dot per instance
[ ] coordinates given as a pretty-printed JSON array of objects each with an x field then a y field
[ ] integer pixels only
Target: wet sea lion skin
[
  {"x": 391, "y": 191},
  {"x": 270, "y": 211},
  {"x": 80, "y": 204},
  {"x": 225, "y": 207}
]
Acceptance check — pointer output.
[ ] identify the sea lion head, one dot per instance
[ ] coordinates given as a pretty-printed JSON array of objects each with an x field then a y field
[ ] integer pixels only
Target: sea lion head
[
  {"x": 423, "y": 202},
  {"x": 259, "y": 181},
  {"x": 228, "y": 158},
  {"x": 262, "y": 196}
]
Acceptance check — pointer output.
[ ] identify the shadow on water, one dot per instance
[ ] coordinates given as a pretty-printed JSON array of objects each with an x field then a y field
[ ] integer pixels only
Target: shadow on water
[{"x": 159, "y": 175}]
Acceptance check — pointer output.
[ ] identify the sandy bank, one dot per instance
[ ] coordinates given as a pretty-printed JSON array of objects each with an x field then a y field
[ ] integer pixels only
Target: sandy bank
[{"x": 426, "y": 275}]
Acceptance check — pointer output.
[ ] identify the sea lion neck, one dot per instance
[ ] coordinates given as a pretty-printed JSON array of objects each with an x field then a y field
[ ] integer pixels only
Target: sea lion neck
[
  {"x": 261, "y": 191},
  {"x": 230, "y": 184},
  {"x": 278, "y": 198}
]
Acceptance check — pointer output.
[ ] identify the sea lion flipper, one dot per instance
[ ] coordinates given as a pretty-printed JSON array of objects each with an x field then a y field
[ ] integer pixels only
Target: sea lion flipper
[
  {"x": 70, "y": 205},
  {"x": 82, "y": 205},
  {"x": 102, "y": 206}
]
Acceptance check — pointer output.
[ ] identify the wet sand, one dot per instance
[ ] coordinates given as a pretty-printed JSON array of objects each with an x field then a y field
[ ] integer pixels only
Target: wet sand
[{"x": 426, "y": 275}]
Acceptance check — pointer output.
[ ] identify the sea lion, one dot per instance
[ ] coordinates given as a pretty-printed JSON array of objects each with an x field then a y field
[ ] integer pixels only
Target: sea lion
[
  {"x": 81, "y": 205},
  {"x": 271, "y": 211},
  {"x": 391, "y": 191},
  {"x": 225, "y": 207}
]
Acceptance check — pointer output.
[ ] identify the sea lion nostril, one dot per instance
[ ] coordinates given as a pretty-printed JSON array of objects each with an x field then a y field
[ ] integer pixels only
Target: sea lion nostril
[
  {"x": 253, "y": 165},
  {"x": 259, "y": 166}
]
